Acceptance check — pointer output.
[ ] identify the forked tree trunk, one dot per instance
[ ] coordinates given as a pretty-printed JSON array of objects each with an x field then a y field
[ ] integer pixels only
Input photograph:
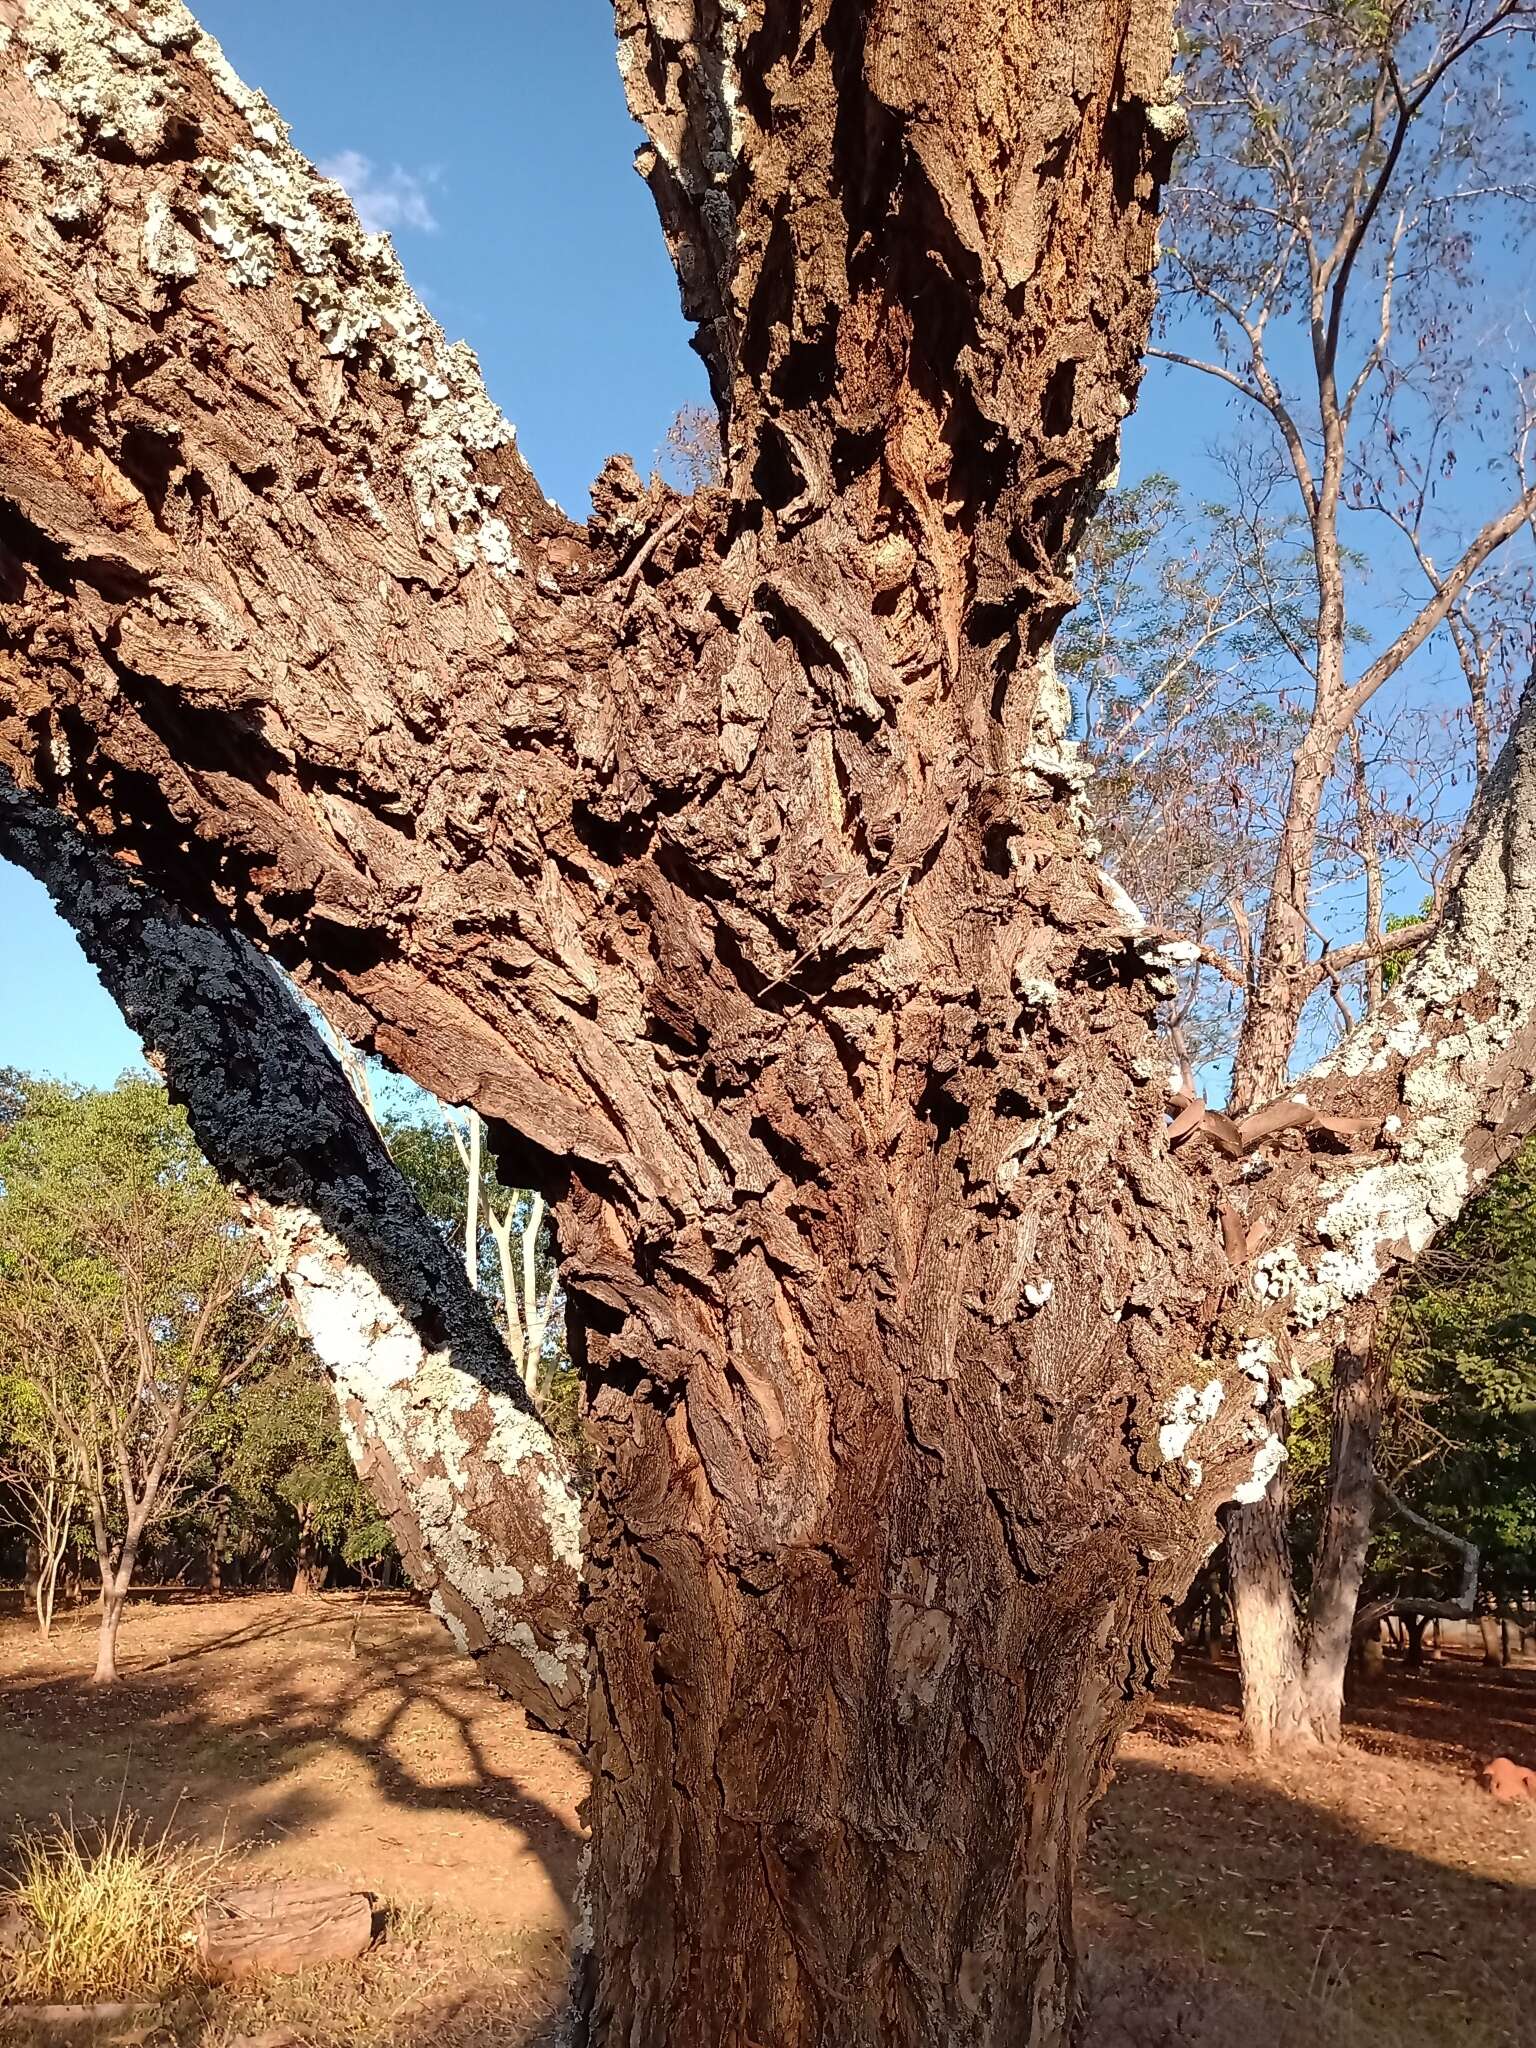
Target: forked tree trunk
[
  {"x": 728, "y": 856},
  {"x": 1294, "y": 1662},
  {"x": 115, "y": 1582},
  {"x": 308, "y": 1577}
]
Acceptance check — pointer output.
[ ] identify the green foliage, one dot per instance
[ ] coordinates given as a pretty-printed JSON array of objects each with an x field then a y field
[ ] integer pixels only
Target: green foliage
[
  {"x": 127, "y": 1285},
  {"x": 123, "y": 1270},
  {"x": 287, "y": 1472},
  {"x": 1460, "y": 1444}
]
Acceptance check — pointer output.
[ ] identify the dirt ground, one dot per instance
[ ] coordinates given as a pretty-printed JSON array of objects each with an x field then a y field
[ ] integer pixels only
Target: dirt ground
[{"x": 1374, "y": 1900}]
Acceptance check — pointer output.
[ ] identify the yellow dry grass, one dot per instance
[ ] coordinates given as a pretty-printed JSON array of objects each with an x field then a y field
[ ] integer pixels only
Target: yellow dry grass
[{"x": 111, "y": 1911}]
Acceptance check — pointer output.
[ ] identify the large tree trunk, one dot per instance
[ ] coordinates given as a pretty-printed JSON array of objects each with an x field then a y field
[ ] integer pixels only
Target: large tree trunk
[{"x": 726, "y": 854}]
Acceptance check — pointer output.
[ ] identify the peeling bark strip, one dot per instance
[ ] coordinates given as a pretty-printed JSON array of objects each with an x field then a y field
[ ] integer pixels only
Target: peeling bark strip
[
  {"x": 477, "y": 1496},
  {"x": 728, "y": 855}
]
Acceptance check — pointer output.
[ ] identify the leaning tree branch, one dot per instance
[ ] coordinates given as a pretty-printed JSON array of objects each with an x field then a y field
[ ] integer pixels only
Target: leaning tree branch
[
  {"x": 1461, "y": 1607},
  {"x": 264, "y": 541},
  {"x": 1439, "y": 1081},
  {"x": 423, "y": 1382}
]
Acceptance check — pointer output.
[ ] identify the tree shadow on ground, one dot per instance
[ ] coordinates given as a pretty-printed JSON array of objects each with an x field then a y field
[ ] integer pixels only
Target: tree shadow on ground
[
  {"x": 1453, "y": 1708},
  {"x": 1228, "y": 1908},
  {"x": 271, "y": 1730}
]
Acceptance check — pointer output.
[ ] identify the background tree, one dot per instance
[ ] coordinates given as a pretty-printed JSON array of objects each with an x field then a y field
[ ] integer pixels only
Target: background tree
[
  {"x": 1281, "y": 738},
  {"x": 40, "y": 1467},
  {"x": 728, "y": 854},
  {"x": 289, "y": 1478},
  {"x": 127, "y": 1290},
  {"x": 508, "y": 1253}
]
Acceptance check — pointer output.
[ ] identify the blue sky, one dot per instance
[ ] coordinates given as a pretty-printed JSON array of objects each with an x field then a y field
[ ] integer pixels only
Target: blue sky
[
  {"x": 501, "y": 122},
  {"x": 491, "y": 138}
]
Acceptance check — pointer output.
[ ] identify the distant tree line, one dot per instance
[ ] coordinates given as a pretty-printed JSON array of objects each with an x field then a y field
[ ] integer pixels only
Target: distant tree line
[{"x": 161, "y": 1418}]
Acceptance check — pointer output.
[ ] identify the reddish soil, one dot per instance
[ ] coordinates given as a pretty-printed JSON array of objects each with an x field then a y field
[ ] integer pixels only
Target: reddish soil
[
  {"x": 252, "y": 1722},
  {"x": 1377, "y": 1899},
  {"x": 1374, "y": 1899}
]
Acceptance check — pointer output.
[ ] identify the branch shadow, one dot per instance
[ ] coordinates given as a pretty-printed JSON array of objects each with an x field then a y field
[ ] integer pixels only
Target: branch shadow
[
  {"x": 1224, "y": 1907},
  {"x": 302, "y": 1740}
]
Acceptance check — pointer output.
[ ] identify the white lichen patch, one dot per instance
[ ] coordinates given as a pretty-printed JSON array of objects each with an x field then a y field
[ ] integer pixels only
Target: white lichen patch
[
  {"x": 1186, "y": 1412},
  {"x": 1268, "y": 1459},
  {"x": 90, "y": 58},
  {"x": 1164, "y": 955},
  {"x": 73, "y": 194},
  {"x": 1036, "y": 991},
  {"x": 1125, "y": 905},
  {"x": 169, "y": 251},
  {"x": 1256, "y": 1360}
]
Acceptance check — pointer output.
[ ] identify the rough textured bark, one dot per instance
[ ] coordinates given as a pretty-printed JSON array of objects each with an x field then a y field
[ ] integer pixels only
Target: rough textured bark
[
  {"x": 478, "y": 1497},
  {"x": 1271, "y": 1647},
  {"x": 1359, "y": 1398},
  {"x": 1293, "y": 1658},
  {"x": 728, "y": 856}
]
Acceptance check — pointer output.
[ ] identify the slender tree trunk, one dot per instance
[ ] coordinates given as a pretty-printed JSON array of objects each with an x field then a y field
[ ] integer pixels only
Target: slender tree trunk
[
  {"x": 1359, "y": 1393},
  {"x": 1294, "y": 1664},
  {"x": 1282, "y": 983},
  {"x": 115, "y": 1581},
  {"x": 1488, "y": 1628},
  {"x": 218, "y": 1545},
  {"x": 1270, "y": 1647},
  {"x": 307, "y": 1574}
]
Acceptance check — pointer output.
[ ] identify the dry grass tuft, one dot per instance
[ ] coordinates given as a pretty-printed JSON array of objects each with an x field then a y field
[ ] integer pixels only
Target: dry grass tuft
[{"x": 110, "y": 1909}]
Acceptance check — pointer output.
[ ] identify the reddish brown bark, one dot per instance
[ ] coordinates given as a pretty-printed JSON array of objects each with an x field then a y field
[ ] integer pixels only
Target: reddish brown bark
[{"x": 726, "y": 854}]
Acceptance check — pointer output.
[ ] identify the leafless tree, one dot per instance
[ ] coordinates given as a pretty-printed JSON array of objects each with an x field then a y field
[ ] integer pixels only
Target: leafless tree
[{"x": 1326, "y": 262}]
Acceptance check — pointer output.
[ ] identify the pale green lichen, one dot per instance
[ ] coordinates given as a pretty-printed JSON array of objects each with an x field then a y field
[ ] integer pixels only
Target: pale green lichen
[
  {"x": 260, "y": 203},
  {"x": 73, "y": 194},
  {"x": 89, "y": 58},
  {"x": 417, "y": 1403},
  {"x": 169, "y": 251},
  {"x": 115, "y": 70}
]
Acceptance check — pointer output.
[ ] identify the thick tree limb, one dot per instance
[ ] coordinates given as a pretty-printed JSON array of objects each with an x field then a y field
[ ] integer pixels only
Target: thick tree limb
[
  {"x": 1441, "y": 1079},
  {"x": 477, "y": 1496}
]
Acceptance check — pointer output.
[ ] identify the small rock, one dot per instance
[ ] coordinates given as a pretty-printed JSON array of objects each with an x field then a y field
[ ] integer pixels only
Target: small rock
[
  {"x": 1507, "y": 1780},
  {"x": 283, "y": 1927}
]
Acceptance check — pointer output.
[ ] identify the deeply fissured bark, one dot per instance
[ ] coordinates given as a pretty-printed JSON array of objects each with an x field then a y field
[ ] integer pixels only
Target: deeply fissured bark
[{"x": 728, "y": 855}]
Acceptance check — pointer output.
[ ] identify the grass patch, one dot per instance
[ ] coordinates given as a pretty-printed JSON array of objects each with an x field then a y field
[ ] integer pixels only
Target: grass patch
[{"x": 109, "y": 1910}]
